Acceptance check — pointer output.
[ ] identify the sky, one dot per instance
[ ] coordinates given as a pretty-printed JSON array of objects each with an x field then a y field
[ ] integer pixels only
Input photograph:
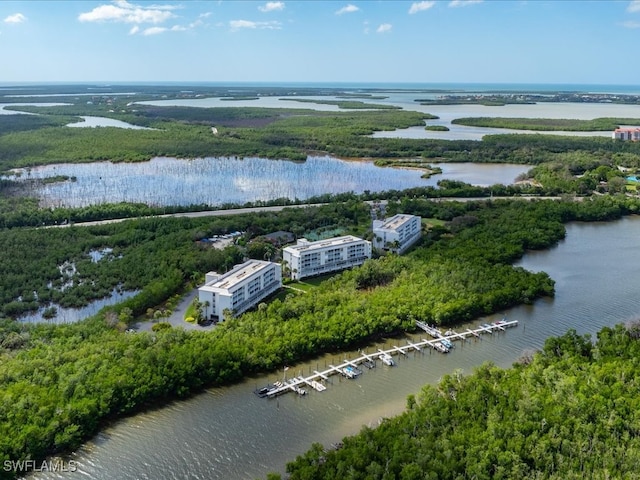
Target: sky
[{"x": 457, "y": 41}]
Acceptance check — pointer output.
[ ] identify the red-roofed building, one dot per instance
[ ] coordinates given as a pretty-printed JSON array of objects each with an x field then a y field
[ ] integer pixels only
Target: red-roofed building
[{"x": 632, "y": 134}]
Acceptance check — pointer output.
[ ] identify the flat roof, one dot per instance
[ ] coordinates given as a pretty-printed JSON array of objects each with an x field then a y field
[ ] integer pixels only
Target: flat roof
[
  {"x": 329, "y": 242},
  {"x": 239, "y": 273},
  {"x": 395, "y": 222}
]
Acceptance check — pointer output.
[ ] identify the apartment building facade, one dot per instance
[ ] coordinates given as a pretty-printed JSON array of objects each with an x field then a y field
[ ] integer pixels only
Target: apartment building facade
[
  {"x": 308, "y": 259},
  {"x": 396, "y": 233},
  {"x": 240, "y": 289}
]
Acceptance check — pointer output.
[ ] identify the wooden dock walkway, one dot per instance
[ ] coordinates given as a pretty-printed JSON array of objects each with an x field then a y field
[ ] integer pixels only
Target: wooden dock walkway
[{"x": 294, "y": 384}]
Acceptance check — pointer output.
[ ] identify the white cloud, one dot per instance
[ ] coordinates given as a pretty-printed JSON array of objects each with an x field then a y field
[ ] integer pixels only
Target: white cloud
[
  {"x": 420, "y": 6},
  {"x": 153, "y": 31},
  {"x": 15, "y": 18},
  {"x": 122, "y": 11},
  {"x": 631, "y": 24},
  {"x": 348, "y": 9},
  {"x": 463, "y": 3},
  {"x": 135, "y": 29},
  {"x": 238, "y": 24},
  {"x": 634, "y": 6},
  {"x": 384, "y": 28},
  {"x": 271, "y": 7}
]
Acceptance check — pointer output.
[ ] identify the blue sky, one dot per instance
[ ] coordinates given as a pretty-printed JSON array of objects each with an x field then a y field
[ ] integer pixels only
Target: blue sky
[{"x": 462, "y": 41}]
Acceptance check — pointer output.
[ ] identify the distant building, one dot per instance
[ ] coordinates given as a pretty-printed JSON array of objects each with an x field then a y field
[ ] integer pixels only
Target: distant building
[
  {"x": 397, "y": 233},
  {"x": 627, "y": 134},
  {"x": 240, "y": 288},
  {"x": 308, "y": 259}
]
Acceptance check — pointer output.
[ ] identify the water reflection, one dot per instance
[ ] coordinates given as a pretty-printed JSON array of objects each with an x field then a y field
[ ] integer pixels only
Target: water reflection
[
  {"x": 92, "y": 122},
  {"x": 71, "y": 315},
  {"x": 215, "y": 181}
]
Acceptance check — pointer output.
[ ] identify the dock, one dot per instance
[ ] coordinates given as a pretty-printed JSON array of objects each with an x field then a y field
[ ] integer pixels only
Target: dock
[{"x": 315, "y": 380}]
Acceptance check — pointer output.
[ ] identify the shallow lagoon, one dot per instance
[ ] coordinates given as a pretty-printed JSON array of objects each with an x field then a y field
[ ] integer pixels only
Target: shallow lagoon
[
  {"x": 16, "y": 112},
  {"x": 92, "y": 122},
  {"x": 447, "y": 113},
  {"x": 216, "y": 181},
  {"x": 71, "y": 315}
]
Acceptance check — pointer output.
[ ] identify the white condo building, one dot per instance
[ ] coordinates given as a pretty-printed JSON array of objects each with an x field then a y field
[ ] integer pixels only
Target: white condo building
[
  {"x": 240, "y": 288},
  {"x": 401, "y": 228},
  {"x": 307, "y": 259},
  {"x": 628, "y": 134}
]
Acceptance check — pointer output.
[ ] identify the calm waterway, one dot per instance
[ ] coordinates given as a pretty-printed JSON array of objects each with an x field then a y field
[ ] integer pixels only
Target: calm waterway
[
  {"x": 93, "y": 122},
  {"x": 446, "y": 113},
  {"x": 15, "y": 112},
  {"x": 215, "y": 181},
  {"x": 229, "y": 433}
]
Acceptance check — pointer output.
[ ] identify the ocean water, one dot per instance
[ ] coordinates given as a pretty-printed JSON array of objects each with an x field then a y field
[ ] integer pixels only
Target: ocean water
[{"x": 442, "y": 87}]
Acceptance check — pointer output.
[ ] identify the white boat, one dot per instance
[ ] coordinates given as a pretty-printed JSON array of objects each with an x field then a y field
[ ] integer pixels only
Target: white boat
[
  {"x": 440, "y": 347},
  {"x": 318, "y": 386},
  {"x": 387, "y": 359},
  {"x": 433, "y": 331}
]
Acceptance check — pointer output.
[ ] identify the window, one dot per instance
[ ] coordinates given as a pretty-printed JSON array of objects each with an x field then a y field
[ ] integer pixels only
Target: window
[
  {"x": 238, "y": 296},
  {"x": 253, "y": 286}
]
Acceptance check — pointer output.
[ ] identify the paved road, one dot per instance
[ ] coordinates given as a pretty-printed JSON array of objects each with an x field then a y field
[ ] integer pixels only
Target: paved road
[
  {"x": 279, "y": 208},
  {"x": 206, "y": 213}
]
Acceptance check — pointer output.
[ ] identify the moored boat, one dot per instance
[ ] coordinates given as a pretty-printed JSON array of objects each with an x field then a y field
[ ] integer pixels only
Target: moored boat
[
  {"x": 369, "y": 364},
  {"x": 433, "y": 331},
  {"x": 264, "y": 391},
  {"x": 440, "y": 347},
  {"x": 318, "y": 386},
  {"x": 387, "y": 359},
  {"x": 350, "y": 372}
]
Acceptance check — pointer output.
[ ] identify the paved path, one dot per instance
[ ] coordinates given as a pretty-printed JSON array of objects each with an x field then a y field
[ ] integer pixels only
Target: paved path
[
  {"x": 206, "y": 213},
  {"x": 177, "y": 317}
]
